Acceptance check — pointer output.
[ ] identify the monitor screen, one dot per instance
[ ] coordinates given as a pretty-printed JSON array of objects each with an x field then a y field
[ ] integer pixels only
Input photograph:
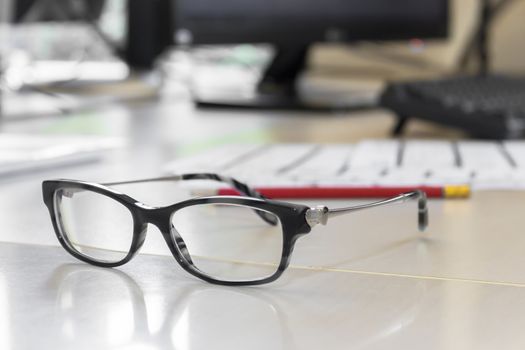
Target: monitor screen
[{"x": 305, "y": 21}]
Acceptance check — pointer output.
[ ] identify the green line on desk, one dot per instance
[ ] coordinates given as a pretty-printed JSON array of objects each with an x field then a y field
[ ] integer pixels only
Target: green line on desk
[
  {"x": 85, "y": 123},
  {"x": 253, "y": 136}
]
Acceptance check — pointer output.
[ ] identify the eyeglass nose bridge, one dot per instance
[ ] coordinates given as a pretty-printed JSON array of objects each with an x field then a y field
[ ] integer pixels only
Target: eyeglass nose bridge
[
  {"x": 160, "y": 217},
  {"x": 151, "y": 215}
]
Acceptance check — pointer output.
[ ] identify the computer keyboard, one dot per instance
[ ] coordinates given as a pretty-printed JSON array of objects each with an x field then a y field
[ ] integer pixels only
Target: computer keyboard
[
  {"x": 482, "y": 164},
  {"x": 483, "y": 106}
]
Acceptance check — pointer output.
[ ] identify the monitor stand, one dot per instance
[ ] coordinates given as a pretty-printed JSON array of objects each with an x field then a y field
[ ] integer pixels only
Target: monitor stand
[{"x": 277, "y": 90}]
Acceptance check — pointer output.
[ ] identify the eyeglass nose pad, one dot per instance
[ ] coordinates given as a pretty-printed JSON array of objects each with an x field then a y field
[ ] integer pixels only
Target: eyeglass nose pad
[
  {"x": 141, "y": 238},
  {"x": 181, "y": 245},
  {"x": 267, "y": 217}
]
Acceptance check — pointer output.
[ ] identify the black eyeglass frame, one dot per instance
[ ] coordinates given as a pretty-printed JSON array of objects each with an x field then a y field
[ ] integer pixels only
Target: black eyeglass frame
[{"x": 296, "y": 219}]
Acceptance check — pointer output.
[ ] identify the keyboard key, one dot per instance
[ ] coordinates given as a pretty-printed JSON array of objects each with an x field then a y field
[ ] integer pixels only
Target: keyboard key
[
  {"x": 449, "y": 176},
  {"x": 376, "y": 154},
  {"x": 428, "y": 154},
  {"x": 403, "y": 177},
  {"x": 516, "y": 151},
  {"x": 215, "y": 160},
  {"x": 327, "y": 162},
  {"x": 481, "y": 155},
  {"x": 274, "y": 159}
]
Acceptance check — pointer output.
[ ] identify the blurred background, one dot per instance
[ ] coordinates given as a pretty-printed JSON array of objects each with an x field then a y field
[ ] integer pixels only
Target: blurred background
[
  {"x": 432, "y": 69},
  {"x": 340, "y": 99},
  {"x": 60, "y": 44}
]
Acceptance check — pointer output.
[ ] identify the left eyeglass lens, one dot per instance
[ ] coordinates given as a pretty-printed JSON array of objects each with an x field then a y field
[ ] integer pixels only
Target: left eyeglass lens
[
  {"x": 93, "y": 224},
  {"x": 229, "y": 242}
]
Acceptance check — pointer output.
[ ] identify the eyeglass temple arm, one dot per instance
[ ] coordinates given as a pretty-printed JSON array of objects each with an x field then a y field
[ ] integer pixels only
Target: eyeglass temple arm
[
  {"x": 241, "y": 187},
  {"x": 321, "y": 214}
]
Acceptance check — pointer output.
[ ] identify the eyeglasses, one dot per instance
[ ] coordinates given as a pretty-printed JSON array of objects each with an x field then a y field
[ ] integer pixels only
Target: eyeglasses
[{"x": 229, "y": 240}]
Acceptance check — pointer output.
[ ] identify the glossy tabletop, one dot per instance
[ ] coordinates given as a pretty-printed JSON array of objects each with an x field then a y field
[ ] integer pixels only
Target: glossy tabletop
[{"x": 365, "y": 281}]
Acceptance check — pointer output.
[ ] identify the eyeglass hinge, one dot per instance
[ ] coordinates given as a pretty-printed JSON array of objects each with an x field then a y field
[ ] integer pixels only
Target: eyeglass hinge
[{"x": 317, "y": 215}]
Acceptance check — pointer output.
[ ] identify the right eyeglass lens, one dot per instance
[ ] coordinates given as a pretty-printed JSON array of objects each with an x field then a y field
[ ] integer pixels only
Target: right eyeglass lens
[
  {"x": 93, "y": 224},
  {"x": 229, "y": 242}
]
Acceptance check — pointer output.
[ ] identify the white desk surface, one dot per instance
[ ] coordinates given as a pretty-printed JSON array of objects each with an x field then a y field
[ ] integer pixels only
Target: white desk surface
[{"x": 358, "y": 283}]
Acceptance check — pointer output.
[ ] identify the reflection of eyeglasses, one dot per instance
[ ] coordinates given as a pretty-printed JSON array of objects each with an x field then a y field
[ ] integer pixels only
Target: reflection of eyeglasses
[{"x": 221, "y": 239}]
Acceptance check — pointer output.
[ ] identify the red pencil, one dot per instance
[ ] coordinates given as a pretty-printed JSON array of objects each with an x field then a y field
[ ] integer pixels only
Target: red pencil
[{"x": 449, "y": 191}]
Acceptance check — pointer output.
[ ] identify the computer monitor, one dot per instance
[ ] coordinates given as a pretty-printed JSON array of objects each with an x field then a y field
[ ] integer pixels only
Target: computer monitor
[{"x": 293, "y": 25}]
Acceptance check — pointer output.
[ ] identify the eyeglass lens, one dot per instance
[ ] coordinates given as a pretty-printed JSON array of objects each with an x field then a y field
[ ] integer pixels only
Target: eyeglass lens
[
  {"x": 94, "y": 225},
  {"x": 229, "y": 242}
]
